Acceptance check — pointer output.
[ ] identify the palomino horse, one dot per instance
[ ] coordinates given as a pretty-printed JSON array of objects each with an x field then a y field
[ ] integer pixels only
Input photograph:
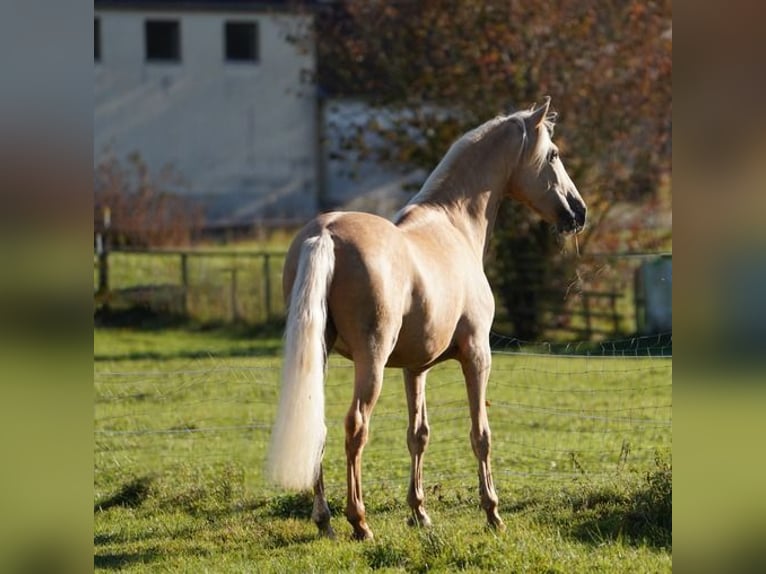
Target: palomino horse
[{"x": 409, "y": 294}]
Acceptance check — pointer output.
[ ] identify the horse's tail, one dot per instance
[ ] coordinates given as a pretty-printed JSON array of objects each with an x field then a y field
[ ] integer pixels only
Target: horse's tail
[{"x": 298, "y": 436}]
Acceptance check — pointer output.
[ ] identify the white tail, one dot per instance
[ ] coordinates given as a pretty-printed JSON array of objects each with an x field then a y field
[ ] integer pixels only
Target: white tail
[{"x": 298, "y": 436}]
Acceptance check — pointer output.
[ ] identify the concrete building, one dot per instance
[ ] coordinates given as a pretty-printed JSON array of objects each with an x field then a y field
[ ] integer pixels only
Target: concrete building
[{"x": 222, "y": 92}]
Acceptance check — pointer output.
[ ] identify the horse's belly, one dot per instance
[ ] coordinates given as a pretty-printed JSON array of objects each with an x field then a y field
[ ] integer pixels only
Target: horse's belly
[
  {"x": 342, "y": 349},
  {"x": 414, "y": 360},
  {"x": 406, "y": 353},
  {"x": 419, "y": 347}
]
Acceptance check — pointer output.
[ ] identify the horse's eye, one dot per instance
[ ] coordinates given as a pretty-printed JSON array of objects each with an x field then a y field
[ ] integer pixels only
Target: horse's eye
[{"x": 553, "y": 155}]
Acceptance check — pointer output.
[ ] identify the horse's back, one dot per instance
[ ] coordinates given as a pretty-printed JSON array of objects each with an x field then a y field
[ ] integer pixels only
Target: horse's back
[
  {"x": 372, "y": 266},
  {"x": 358, "y": 237}
]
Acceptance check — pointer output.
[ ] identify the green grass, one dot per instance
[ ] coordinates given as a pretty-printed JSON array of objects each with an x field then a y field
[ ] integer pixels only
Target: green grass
[{"x": 581, "y": 456}]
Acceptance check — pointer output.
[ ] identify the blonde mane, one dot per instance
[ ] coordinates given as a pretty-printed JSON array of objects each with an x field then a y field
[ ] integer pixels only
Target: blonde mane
[
  {"x": 460, "y": 167},
  {"x": 465, "y": 150}
]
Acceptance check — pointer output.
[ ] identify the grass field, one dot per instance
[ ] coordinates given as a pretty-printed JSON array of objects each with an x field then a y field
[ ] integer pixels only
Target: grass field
[{"x": 581, "y": 457}]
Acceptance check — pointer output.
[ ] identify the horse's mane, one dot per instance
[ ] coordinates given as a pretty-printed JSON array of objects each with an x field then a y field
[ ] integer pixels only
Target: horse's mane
[{"x": 467, "y": 142}]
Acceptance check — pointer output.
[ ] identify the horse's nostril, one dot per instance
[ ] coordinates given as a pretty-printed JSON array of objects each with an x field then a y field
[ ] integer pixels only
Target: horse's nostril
[{"x": 578, "y": 209}]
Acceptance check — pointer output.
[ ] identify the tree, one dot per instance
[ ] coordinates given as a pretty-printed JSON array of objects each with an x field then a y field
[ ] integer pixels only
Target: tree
[
  {"x": 456, "y": 63},
  {"x": 143, "y": 212}
]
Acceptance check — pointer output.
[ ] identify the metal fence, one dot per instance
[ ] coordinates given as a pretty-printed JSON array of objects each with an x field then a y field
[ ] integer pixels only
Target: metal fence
[
  {"x": 205, "y": 285},
  {"x": 602, "y": 298}
]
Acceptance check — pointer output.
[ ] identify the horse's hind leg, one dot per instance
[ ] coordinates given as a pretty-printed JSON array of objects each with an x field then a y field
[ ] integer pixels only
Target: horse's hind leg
[
  {"x": 417, "y": 441},
  {"x": 367, "y": 385},
  {"x": 476, "y": 361},
  {"x": 321, "y": 512}
]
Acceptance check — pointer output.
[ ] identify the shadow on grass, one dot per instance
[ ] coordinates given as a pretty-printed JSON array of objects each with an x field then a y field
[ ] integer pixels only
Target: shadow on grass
[
  {"x": 131, "y": 495},
  {"x": 639, "y": 516},
  {"x": 294, "y": 505},
  {"x": 643, "y": 517},
  {"x": 300, "y": 504},
  {"x": 276, "y": 539},
  {"x": 265, "y": 339},
  {"x": 143, "y": 318},
  {"x": 120, "y": 560}
]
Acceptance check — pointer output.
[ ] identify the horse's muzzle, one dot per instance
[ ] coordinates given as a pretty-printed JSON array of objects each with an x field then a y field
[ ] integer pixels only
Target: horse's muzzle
[
  {"x": 572, "y": 219},
  {"x": 577, "y": 216}
]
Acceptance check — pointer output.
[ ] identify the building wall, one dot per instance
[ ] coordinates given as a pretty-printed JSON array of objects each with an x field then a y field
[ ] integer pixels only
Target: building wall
[
  {"x": 242, "y": 136},
  {"x": 358, "y": 183}
]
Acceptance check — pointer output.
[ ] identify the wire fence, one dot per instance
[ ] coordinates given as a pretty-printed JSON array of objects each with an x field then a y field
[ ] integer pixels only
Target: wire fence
[
  {"x": 555, "y": 415},
  {"x": 237, "y": 286}
]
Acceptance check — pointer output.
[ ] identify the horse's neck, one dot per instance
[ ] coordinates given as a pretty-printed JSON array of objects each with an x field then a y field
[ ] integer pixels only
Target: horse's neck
[
  {"x": 468, "y": 194},
  {"x": 474, "y": 216}
]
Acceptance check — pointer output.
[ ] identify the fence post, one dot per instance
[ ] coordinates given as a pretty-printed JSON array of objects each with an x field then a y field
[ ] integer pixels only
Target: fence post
[
  {"x": 102, "y": 251},
  {"x": 185, "y": 281},
  {"x": 234, "y": 311},
  {"x": 267, "y": 284}
]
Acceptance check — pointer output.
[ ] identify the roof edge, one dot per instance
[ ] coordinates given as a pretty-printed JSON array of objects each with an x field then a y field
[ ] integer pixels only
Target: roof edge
[{"x": 206, "y": 5}]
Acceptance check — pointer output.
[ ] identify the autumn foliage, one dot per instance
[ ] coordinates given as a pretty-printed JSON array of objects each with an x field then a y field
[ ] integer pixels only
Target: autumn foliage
[
  {"x": 133, "y": 206},
  {"x": 453, "y": 64},
  {"x": 606, "y": 65}
]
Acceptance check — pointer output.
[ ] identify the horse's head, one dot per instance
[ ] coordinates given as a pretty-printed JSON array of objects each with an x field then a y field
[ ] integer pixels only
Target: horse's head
[{"x": 540, "y": 179}]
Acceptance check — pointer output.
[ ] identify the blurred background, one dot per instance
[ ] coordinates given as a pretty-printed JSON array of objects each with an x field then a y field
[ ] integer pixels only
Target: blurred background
[
  {"x": 201, "y": 135},
  {"x": 65, "y": 125},
  {"x": 220, "y": 128}
]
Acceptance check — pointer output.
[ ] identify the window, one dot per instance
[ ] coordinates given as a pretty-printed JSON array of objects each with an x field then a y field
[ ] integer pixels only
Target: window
[
  {"x": 241, "y": 41},
  {"x": 163, "y": 41},
  {"x": 97, "y": 39}
]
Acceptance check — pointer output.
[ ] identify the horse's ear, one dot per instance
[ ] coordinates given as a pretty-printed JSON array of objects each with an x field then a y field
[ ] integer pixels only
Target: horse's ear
[{"x": 538, "y": 116}]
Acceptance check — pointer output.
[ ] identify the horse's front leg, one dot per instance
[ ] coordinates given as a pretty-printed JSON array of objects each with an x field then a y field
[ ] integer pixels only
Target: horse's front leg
[
  {"x": 417, "y": 442},
  {"x": 476, "y": 361},
  {"x": 367, "y": 385}
]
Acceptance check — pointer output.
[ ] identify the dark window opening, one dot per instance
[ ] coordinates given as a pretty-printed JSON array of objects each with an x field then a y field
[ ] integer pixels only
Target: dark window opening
[
  {"x": 97, "y": 39},
  {"x": 241, "y": 41},
  {"x": 163, "y": 41}
]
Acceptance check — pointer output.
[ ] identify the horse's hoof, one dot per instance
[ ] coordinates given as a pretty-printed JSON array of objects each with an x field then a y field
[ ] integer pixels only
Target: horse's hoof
[
  {"x": 327, "y": 532},
  {"x": 362, "y": 534},
  {"x": 496, "y": 523},
  {"x": 420, "y": 519}
]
